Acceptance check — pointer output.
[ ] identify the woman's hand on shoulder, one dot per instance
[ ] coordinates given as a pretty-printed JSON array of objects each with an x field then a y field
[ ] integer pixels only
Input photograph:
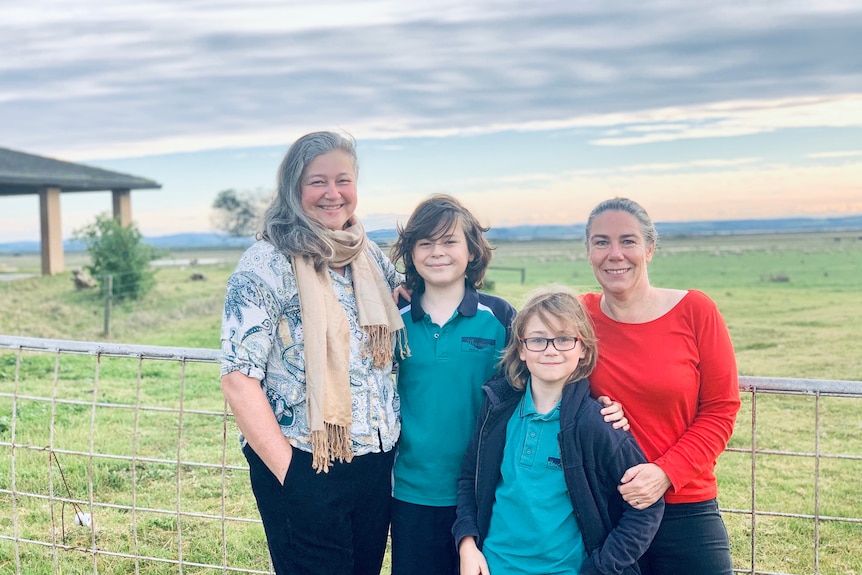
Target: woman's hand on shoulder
[
  {"x": 643, "y": 485},
  {"x": 613, "y": 413},
  {"x": 401, "y": 291}
]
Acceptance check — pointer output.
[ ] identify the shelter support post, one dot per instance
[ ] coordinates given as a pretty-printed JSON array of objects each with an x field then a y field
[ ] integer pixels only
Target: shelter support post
[
  {"x": 52, "y": 231},
  {"x": 122, "y": 206}
]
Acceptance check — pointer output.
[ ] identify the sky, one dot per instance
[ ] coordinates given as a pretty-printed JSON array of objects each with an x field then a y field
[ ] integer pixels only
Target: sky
[{"x": 529, "y": 112}]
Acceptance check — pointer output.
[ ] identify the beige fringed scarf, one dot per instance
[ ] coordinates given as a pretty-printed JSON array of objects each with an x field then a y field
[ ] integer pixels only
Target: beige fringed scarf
[{"x": 326, "y": 335}]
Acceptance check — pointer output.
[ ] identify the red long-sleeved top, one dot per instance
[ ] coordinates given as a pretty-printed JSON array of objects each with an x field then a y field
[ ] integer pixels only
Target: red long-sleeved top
[{"x": 676, "y": 378}]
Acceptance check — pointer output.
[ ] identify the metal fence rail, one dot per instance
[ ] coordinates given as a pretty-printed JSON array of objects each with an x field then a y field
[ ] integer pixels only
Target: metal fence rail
[
  {"x": 124, "y": 458},
  {"x": 816, "y": 390}
]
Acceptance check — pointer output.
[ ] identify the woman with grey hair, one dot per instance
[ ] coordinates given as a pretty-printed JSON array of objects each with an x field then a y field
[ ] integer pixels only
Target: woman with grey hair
[
  {"x": 308, "y": 336},
  {"x": 666, "y": 355}
]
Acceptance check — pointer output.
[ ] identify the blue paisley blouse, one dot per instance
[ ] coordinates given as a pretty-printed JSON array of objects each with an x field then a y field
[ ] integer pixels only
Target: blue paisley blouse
[{"x": 261, "y": 337}]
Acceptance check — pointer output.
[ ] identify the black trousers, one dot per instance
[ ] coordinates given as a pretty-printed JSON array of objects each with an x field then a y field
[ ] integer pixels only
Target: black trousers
[
  {"x": 333, "y": 523},
  {"x": 422, "y": 541},
  {"x": 692, "y": 539}
]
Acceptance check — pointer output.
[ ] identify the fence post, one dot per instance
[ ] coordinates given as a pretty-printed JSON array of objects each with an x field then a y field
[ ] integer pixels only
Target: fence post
[
  {"x": 523, "y": 271},
  {"x": 109, "y": 297}
]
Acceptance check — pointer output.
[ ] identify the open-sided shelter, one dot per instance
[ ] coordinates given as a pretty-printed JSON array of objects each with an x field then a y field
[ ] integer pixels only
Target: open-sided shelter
[{"x": 22, "y": 174}]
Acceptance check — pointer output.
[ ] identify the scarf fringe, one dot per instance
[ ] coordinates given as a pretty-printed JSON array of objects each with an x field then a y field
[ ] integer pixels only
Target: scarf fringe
[
  {"x": 329, "y": 445},
  {"x": 401, "y": 344},
  {"x": 380, "y": 342}
]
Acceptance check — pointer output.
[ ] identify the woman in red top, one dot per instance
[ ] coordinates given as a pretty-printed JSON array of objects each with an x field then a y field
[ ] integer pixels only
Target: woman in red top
[{"x": 666, "y": 355}]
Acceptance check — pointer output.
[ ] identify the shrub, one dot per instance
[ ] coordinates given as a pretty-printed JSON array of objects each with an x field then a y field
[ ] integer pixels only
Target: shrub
[{"x": 117, "y": 251}]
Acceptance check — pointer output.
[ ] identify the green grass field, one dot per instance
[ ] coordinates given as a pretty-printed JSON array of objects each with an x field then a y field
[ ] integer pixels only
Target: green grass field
[{"x": 792, "y": 303}]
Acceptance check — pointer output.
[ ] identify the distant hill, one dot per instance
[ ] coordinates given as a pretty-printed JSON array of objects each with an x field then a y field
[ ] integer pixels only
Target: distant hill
[
  {"x": 174, "y": 241},
  {"x": 515, "y": 233},
  {"x": 787, "y": 225},
  {"x": 712, "y": 227},
  {"x": 198, "y": 241}
]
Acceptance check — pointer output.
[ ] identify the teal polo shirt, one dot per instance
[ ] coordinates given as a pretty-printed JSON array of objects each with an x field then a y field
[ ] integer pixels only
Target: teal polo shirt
[
  {"x": 533, "y": 528},
  {"x": 440, "y": 386}
]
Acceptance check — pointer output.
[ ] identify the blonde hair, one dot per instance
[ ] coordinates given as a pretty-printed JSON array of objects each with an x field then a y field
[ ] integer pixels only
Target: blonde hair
[{"x": 561, "y": 304}]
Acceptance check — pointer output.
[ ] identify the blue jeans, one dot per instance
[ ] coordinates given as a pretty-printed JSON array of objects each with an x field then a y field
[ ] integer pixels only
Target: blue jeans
[
  {"x": 691, "y": 540},
  {"x": 332, "y": 523},
  {"x": 422, "y": 541}
]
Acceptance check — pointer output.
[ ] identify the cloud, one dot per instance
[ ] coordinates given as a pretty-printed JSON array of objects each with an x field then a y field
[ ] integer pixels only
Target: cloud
[
  {"x": 686, "y": 166},
  {"x": 112, "y": 79},
  {"x": 736, "y": 118},
  {"x": 845, "y": 154}
]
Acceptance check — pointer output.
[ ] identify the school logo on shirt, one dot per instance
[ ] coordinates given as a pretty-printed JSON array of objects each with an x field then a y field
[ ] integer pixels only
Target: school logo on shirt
[
  {"x": 478, "y": 344},
  {"x": 554, "y": 463}
]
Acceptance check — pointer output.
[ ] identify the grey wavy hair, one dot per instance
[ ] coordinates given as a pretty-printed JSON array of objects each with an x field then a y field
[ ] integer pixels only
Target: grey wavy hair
[
  {"x": 285, "y": 224},
  {"x": 630, "y": 207}
]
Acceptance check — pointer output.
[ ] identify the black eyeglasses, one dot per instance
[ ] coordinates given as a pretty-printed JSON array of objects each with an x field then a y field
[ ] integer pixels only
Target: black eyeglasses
[{"x": 562, "y": 343}]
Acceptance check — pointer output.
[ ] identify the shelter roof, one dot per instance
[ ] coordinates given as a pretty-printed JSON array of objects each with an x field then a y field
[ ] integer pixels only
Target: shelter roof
[{"x": 22, "y": 173}]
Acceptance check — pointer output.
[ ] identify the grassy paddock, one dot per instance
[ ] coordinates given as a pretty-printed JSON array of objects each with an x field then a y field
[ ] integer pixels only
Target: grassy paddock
[{"x": 791, "y": 303}]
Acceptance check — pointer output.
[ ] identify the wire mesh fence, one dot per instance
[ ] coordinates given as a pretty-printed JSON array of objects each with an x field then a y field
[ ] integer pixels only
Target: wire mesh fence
[
  {"x": 121, "y": 459},
  {"x": 124, "y": 459}
]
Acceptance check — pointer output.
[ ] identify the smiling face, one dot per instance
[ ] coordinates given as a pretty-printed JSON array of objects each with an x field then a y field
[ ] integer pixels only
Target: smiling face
[
  {"x": 550, "y": 368},
  {"x": 618, "y": 252},
  {"x": 442, "y": 261},
  {"x": 328, "y": 187}
]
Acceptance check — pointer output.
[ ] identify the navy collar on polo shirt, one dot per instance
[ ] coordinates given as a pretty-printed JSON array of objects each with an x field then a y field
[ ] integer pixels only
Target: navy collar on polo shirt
[{"x": 468, "y": 306}]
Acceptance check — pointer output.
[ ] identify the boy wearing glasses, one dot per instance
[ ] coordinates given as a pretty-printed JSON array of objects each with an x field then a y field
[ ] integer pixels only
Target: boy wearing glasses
[{"x": 538, "y": 488}]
